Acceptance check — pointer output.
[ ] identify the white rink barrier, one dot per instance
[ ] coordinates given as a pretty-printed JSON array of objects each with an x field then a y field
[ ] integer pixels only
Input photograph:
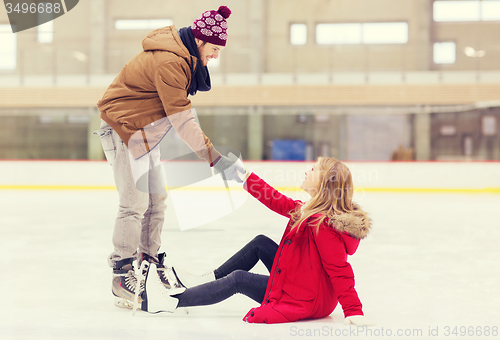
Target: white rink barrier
[{"x": 460, "y": 177}]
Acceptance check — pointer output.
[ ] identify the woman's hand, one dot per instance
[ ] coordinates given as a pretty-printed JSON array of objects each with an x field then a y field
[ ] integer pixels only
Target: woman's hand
[
  {"x": 245, "y": 177},
  {"x": 358, "y": 320}
]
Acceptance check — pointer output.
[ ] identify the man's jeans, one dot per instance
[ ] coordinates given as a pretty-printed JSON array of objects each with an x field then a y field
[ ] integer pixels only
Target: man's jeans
[{"x": 141, "y": 212}]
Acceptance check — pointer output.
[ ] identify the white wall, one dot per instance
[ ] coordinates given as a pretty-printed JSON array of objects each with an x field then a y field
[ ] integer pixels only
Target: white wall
[{"x": 372, "y": 176}]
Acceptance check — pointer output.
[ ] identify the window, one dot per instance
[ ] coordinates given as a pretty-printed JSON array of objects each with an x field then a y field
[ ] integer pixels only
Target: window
[
  {"x": 338, "y": 34},
  {"x": 45, "y": 27},
  {"x": 490, "y": 10},
  {"x": 445, "y": 11},
  {"x": 385, "y": 33},
  {"x": 489, "y": 125},
  {"x": 46, "y": 32},
  {"x": 456, "y": 10},
  {"x": 8, "y": 52},
  {"x": 367, "y": 33},
  {"x": 298, "y": 34},
  {"x": 444, "y": 53},
  {"x": 142, "y": 24}
]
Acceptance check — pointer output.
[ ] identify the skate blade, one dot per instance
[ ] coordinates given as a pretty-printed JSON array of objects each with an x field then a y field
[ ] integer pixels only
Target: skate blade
[
  {"x": 182, "y": 310},
  {"x": 123, "y": 303}
]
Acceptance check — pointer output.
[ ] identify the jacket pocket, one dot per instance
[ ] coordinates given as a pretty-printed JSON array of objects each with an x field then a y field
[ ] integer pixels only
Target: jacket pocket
[
  {"x": 298, "y": 293},
  {"x": 108, "y": 143}
]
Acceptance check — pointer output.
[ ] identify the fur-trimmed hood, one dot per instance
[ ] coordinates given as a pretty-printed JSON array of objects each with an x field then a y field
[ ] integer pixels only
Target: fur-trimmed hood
[
  {"x": 352, "y": 226},
  {"x": 356, "y": 223}
]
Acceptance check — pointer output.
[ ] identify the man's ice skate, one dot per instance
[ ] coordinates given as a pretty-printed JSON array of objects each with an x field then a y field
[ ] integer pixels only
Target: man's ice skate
[
  {"x": 156, "y": 297},
  {"x": 124, "y": 284}
]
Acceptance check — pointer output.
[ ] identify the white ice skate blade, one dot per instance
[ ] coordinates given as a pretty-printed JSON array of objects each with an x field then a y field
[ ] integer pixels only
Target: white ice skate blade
[{"x": 182, "y": 310}]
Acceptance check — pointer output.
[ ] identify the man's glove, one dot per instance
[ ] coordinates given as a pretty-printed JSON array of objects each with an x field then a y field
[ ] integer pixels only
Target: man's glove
[
  {"x": 358, "y": 320},
  {"x": 230, "y": 166}
]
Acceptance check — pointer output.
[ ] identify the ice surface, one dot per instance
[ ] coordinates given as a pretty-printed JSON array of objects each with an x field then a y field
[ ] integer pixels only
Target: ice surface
[{"x": 431, "y": 260}]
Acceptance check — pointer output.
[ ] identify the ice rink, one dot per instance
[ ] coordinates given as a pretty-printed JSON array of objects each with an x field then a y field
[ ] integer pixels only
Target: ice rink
[{"x": 430, "y": 264}]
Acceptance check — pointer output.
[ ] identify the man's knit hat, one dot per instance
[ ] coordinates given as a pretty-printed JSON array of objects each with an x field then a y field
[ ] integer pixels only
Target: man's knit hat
[{"x": 211, "y": 26}]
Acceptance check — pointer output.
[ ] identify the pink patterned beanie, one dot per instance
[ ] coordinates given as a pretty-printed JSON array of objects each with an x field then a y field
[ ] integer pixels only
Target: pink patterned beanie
[{"x": 211, "y": 26}]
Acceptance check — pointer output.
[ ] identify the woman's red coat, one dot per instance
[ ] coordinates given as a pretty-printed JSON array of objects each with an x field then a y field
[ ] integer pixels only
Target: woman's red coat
[{"x": 310, "y": 273}]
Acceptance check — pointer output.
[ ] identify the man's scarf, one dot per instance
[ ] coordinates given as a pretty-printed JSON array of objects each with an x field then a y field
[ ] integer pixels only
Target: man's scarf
[{"x": 200, "y": 78}]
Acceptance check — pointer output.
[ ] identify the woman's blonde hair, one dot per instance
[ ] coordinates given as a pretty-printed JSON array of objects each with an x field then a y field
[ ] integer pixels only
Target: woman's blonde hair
[{"x": 333, "y": 197}]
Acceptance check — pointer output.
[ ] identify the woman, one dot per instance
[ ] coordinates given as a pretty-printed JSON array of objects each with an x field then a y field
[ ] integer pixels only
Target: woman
[{"x": 309, "y": 272}]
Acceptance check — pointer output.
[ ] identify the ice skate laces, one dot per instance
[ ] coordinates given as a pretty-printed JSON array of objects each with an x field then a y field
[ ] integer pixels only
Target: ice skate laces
[
  {"x": 167, "y": 274},
  {"x": 167, "y": 293},
  {"x": 130, "y": 281}
]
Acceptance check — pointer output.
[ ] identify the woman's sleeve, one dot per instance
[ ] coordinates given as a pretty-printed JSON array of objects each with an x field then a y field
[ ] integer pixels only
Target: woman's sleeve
[
  {"x": 334, "y": 258},
  {"x": 269, "y": 196}
]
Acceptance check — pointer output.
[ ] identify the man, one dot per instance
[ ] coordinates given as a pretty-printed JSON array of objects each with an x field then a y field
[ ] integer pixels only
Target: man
[{"x": 146, "y": 99}]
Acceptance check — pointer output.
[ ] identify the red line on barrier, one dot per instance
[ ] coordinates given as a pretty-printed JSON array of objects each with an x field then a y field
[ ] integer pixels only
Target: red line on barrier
[{"x": 247, "y": 160}]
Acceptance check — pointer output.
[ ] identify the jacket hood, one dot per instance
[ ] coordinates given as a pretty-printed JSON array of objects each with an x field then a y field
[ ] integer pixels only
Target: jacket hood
[
  {"x": 353, "y": 227},
  {"x": 166, "y": 39},
  {"x": 356, "y": 223}
]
